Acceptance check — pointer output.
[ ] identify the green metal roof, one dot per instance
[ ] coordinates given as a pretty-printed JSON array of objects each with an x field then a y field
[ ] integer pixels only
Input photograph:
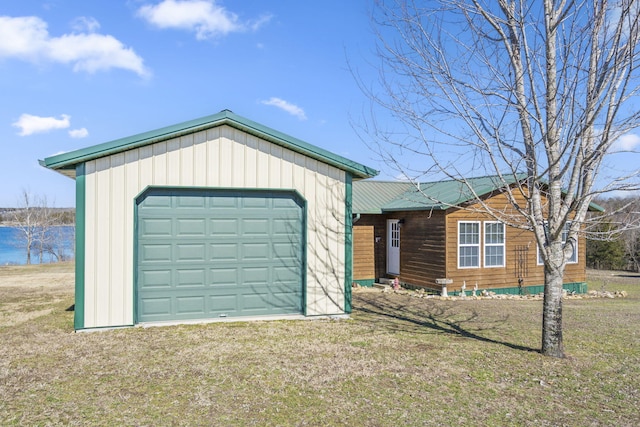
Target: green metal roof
[
  {"x": 442, "y": 195},
  {"x": 66, "y": 163},
  {"x": 370, "y": 196},
  {"x": 376, "y": 197}
]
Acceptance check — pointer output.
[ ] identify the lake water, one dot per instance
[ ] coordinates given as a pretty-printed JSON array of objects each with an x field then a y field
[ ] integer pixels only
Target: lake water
[{"x": 12, "y": 250}]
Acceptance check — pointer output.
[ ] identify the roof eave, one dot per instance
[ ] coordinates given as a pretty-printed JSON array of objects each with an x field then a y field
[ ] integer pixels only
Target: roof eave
[{"x": 225, "y": 117}]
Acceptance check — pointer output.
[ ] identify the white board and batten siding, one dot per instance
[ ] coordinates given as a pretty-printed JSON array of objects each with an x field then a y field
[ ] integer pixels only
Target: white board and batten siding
[{"x": 220, "y": 157}]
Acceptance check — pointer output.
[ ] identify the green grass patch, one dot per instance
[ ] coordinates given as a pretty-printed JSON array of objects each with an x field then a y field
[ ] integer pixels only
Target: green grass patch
[{"x": 399, "y": 360}]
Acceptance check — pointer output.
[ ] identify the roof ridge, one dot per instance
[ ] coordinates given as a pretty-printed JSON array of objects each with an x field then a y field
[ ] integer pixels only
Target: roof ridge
[{"x": 68, "y": 161}]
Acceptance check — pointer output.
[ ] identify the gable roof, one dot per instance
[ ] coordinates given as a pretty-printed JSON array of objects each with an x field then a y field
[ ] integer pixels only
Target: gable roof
[
  {"x": 66, "y": 163},
  {"x": 377, "y": 197}
]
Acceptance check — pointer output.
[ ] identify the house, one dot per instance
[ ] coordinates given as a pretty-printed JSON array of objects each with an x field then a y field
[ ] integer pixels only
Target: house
[
  {"x": 435, "y": 233},
  {"x": 218, "y": 217}
]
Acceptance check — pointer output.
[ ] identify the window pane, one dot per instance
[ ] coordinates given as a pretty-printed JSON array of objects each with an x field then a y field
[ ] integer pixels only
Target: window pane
[
  {"x": 494, "y": 256},
  {"x": 469, "y": 233},
  {"x": 494, "y": 233},
  {"x": 469, "y": 256}
]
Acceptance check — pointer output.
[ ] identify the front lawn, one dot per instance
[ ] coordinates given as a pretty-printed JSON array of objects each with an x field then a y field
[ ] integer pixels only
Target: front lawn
[{"x": 399, "y": 360}]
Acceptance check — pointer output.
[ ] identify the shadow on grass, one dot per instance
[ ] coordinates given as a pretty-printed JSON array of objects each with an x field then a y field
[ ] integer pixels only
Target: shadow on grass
[{"x": 437, "y": 316}]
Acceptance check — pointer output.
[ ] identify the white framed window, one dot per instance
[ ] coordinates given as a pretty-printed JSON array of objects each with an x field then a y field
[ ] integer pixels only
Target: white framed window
[
  {"x": 494, "y": 244},
  {"x": 573, "y": 259},
  {"x": 468, "y": 244}
]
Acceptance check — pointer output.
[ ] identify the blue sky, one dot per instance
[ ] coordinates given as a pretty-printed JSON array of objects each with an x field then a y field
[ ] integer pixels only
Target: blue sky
[{"x": 79, "y": 73}]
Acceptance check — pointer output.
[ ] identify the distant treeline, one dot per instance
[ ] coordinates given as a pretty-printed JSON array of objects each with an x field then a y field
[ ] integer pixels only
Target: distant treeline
[
  {"x": 58, "y": 216},
  {"x": 614, "y": 240}
]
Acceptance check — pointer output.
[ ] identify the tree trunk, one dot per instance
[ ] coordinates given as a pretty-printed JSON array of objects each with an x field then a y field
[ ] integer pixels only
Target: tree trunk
[{"x": 552, "y": 344}]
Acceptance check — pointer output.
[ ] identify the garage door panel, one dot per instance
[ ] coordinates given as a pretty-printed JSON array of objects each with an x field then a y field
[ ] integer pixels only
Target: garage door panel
[
  {"x": 194, "y": 227},
  {"x": 224, "y": 202},
  {"x": 254, "y": 252},
  {"x": 221, "y": 253},
  {"x": 156, "y": 279},
  {"x": 151, "y": 253},
  {"x": 190, "y": 305},
  {"x": 254, "y": 302},
  {"x": 255, "y": 275},
  {"x": 156, "y": 307},
  {"x": 223, "y": 276},
  {"x": 156, "y": 227},
  {"x": 285, "y": 300},
  {"x": 254, "y": 203},
  {"x": 189, "y": 252},
  {"x": 285, "y": 251},
  {"x": 224, "y": 227},
  {"x": 191, "y": 277},
  {"x": 226, "y": 304},
  {"x": 286, "y": 227},
  {"x": 159, "y": 202},
  {"x": 255, "y": 227},
  {"x": 285, "y": 274},
  {"x": 189, "y": 202}
]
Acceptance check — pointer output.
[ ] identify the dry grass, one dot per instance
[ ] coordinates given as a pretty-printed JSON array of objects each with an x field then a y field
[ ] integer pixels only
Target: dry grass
[{"x": 400, "y": 360}]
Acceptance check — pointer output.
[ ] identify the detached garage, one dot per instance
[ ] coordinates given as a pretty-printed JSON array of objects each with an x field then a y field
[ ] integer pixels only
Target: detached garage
[{"x": 218, "y": 217}]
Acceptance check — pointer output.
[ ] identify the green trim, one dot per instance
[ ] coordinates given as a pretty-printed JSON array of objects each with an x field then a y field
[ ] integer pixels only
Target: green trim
[
  {"x": 135, "y": 255},
  {"x": 66, "y": 161},
  {"x": 577, "y": 287},
  {"x": 304, "y": 251},
  {"x": 367, "y": 283},
  {"x": 348, "y": 243},
  {"x": 81, "y": 191}
]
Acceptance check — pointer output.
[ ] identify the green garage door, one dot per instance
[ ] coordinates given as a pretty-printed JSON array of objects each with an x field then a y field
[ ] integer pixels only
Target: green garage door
[{"x": 213, "y": 253}]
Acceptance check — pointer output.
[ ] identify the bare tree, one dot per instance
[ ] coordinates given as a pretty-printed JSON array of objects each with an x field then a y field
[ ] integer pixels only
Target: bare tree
[
  {"x": 26, "y": 219},
  {"x": 38, "y": 228},
  {"x": 535, "y": 92}
]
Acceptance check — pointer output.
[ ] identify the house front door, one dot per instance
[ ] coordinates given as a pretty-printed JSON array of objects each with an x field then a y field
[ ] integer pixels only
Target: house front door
[{"x": 393, "y": 246}]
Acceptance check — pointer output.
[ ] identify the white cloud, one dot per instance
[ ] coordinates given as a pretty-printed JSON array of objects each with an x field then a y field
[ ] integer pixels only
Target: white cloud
[
  {"x": 30, "y": 124},
  {"x": 204, "y": 17},
  {"x": 627, "y": 142},
  {"x": 292, "y": 109},
  {"x": 85, "y": 23},
  {"x": 28, "y": 38},
  {"x": 79, "y": 133}
]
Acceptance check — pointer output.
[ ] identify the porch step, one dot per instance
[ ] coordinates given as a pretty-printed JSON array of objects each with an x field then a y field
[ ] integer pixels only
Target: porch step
[{"x": 382, "y": 286}]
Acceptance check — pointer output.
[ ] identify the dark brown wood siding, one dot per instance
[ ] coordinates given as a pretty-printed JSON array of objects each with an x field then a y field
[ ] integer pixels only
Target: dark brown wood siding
[{"x": 422, "y": 247}]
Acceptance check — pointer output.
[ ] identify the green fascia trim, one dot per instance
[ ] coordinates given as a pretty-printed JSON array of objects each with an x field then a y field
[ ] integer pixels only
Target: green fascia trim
[
  {"x": 367, "y": 283},
  {"x": 78, "y": 313},
  {"x": 65, "y": 161},
  {"x": 577, "y": 287},
  {"x": 348, "y": 243}
]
